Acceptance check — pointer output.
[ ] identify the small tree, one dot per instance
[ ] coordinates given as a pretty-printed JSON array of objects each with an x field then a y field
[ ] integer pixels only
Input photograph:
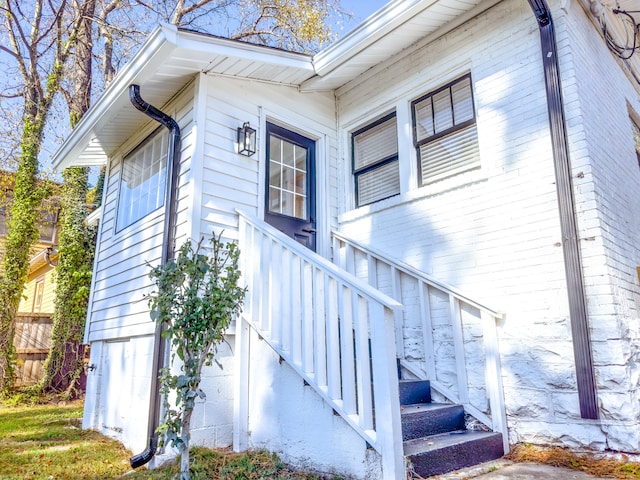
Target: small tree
[{"x": 197, "y": 297}]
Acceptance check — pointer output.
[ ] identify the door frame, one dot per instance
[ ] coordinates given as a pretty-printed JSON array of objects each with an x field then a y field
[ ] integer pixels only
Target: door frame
[{"x": 312, "y": 132}]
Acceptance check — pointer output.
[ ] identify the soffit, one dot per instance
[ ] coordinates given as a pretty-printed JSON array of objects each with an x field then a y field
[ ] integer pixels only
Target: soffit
[{"x": 165, "y": 64}]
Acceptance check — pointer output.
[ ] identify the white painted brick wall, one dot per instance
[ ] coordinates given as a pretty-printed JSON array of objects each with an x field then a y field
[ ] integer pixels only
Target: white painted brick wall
[{"x": 496, "y": 234}]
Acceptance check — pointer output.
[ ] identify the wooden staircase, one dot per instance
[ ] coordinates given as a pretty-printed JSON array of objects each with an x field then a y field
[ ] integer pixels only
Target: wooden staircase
[
  {"x": 435, "y": 438},
  {"x": 351, "y": 327}
]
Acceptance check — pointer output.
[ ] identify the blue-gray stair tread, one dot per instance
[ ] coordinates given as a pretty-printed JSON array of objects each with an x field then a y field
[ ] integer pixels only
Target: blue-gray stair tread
[
  {"x": 414, "y": 391},
  {"x": 442, "y": 453},
  {"x": 423, "y": 419}
]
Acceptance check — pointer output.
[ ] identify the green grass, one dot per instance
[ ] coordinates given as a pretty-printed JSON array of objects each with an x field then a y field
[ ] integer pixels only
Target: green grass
[
  {"x": 226, "y": 465},
  {"x": 46, "y": 442}
]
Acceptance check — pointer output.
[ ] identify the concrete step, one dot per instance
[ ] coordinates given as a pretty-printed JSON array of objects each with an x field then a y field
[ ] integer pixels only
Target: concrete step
[
  {"x": 424, "y": 419},
  {"x": 414, "y": 391},
  {"x": 445, "y": 452}
]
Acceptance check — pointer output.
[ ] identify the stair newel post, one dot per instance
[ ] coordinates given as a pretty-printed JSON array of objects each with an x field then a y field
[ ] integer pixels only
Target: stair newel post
[
  {"x": 386, "y": 391},
  {"x": 494, "y": 378}
]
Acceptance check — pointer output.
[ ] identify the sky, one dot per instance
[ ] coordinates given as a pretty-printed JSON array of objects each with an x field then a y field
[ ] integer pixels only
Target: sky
[{"x": 361, "y": 9}]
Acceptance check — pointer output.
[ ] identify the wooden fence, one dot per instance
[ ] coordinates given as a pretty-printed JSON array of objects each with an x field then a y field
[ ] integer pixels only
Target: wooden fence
[{"x": 32, "y": 339}]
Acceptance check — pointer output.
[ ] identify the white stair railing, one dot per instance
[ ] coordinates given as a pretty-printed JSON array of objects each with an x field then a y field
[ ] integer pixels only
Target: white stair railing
[
  {"x": 320, "y": 319},
  {"x": 441, "y": 335}
]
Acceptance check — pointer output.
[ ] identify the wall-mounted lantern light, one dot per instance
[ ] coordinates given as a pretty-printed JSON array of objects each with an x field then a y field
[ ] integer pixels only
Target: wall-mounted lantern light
[{"x": 246, "y": 140}]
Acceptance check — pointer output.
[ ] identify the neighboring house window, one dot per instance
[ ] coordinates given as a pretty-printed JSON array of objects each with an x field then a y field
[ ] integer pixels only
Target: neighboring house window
[
  {"x": 47, "y": 225},
  {"x": 375, "y": 161},
  {"x": 444, "y": 128},
  {"x": 38, "y": 296},
  {"x": 636, "y": 138},
  {"x": 142, "y": 184}
]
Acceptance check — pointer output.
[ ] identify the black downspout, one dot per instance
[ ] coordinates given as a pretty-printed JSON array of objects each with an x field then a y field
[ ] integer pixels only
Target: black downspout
[
  {"x": 571, "y": 248},
  {"x": 168, "y": 240}
]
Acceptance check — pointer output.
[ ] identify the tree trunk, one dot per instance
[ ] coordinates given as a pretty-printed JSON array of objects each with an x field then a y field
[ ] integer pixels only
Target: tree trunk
[
  {"x": 64, "y": 366},
  {"x": 185, "y": 454},
  {"x": 64, "y": 370}
]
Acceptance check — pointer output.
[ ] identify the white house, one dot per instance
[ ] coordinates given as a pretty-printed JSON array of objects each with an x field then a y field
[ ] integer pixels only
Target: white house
[{"x": 467, "y": 175}]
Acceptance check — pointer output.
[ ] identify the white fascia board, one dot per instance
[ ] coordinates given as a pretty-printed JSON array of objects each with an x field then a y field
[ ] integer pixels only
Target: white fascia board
[
  {"x": 220, "y": 47},
  {"x": 158, "y": 46},
  {"x": 375, "y": 27}
]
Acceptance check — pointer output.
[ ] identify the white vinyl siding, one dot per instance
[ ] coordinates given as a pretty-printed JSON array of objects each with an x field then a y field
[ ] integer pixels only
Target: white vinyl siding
[
  {"x": 375, "y": 161},
  {"x": 142, "y": 186},
  {"x": 636, "y": 138},
  {"x": 445, "y": 134}
]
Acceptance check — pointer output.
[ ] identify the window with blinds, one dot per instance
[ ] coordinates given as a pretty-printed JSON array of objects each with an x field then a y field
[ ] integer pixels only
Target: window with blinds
[
  {"x": 375, "y": 161},
  {"x": 142, "y": 183},
  {"x": 445, "y": 135}
]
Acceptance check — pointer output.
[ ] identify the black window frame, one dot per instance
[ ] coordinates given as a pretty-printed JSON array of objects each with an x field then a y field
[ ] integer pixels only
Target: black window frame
[
  {"x": 375, "y": 165},
  {"x": 447, "y": 132}
]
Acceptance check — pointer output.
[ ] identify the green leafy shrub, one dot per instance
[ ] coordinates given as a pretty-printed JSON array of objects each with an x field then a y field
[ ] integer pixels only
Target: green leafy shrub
[{"x": 197, "y": 296}]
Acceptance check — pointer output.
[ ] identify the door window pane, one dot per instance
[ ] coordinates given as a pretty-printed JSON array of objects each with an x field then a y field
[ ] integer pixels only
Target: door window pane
[{"x": 288, "y": 178}]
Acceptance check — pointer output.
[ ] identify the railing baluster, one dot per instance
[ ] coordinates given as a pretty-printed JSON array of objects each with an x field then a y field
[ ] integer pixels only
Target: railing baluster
[
  {"x": 333, "y": 339},
  {"x": 285, "y": 285},
  {"x": 427, "y": 330},
  {"x": 275, "y": 298},
  {"x": 259, "y": 300},
  {"x": 320, "y": 327},
  {"x": 396, "y": 288},
  {"x": 349, "y": 259},
  {"x": 296, "y": 310},
  {"x": 307, "y": 333},
  {"x": 458, "y": 345},
  {"x": 372, "y": 271},
  {"x": 346, "y": 350},
  {"x": 265, "y": 267},
  {"x": 362, "y": 355}
]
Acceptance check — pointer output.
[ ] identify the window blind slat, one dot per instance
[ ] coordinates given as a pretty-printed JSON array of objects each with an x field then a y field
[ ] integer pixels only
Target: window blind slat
[
  {"x": 450, "y": 155},
  {"x": 375, "y": 144},
  {"x": 382, "y": 182}
]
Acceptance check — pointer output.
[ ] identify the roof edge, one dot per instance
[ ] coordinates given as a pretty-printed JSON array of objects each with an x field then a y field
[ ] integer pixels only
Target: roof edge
[
  {"x": 162, "y": 40},
  {"x": 375, "y": 27}
]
